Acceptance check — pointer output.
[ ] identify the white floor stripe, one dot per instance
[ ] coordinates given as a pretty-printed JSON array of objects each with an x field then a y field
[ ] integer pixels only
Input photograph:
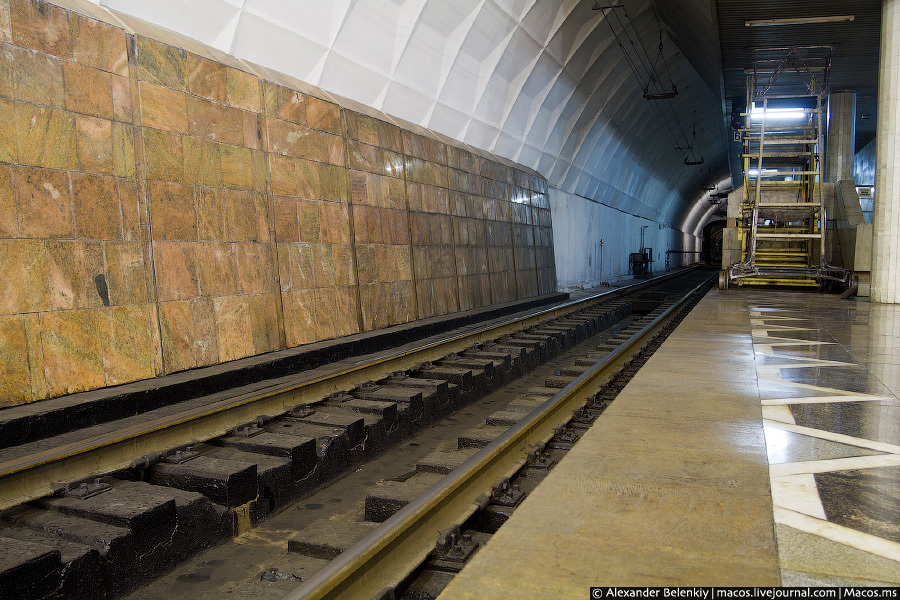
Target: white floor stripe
[
  {"x": 834, "y": 437},
  {"x": 837, "y": 533},
  {"x": 778, "y": 413},
  {"x": 826, "y": 399},
  {"x": 849, "y": 463},
  {"x": 777, "y": 341},
  {"x": 798, "y": 493},
  {"x": 777, "y": 380},
  {"x": 807, "y": 363}
]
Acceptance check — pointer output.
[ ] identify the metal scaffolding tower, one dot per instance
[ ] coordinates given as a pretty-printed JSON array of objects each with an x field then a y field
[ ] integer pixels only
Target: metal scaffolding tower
[{"x": 782, "y": 214}]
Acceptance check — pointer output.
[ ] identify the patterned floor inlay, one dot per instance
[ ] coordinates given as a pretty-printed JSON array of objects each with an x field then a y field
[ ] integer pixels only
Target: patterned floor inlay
[{"x": 832, "y": 428}]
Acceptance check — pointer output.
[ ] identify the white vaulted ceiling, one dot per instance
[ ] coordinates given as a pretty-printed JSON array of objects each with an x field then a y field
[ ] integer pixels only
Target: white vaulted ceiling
[{"x": 541, "y": 82}]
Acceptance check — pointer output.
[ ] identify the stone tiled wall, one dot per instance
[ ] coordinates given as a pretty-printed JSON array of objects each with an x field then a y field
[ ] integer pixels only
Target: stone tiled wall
[{"x": 161, "y": 211}]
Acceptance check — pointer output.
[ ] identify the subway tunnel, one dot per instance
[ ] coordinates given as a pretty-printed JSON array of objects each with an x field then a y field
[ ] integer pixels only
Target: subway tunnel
[{"x": 204, "y": 194}]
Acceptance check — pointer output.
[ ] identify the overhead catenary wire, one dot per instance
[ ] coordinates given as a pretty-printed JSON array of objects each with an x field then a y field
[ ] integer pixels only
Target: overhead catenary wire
[
  {"x": 670, "y": 132},
  {"x": 645, "y": 75}
]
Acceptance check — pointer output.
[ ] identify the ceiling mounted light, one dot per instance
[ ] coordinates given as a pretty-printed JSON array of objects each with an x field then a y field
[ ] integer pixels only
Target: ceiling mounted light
[{"x": 799, "y": 21}]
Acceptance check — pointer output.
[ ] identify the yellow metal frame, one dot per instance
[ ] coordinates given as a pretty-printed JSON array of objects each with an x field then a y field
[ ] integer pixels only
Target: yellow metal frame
[{"x": 801, "y": 253}]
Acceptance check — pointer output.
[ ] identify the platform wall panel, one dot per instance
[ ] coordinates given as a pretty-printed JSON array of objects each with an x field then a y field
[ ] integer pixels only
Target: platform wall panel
[{"x": 162, "y": 211}]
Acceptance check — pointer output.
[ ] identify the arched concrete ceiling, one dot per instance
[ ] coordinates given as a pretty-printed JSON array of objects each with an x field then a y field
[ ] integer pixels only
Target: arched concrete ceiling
[{"x": 542, "y": 82}]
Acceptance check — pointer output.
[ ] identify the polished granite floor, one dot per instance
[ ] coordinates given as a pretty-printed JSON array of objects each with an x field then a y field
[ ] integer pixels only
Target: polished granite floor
[{"x": 829, "y": 380}]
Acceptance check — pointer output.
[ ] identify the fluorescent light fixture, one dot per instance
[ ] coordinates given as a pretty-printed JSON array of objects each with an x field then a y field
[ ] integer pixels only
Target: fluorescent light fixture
[
  {"x": 799, "y": 21},
  {"x": 776, "y": 114},
  {"x": 755, "y": 172}
]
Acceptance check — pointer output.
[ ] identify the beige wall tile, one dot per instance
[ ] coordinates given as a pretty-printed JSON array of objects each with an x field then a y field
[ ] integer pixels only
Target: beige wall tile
[
  {"x": 123, "y": 149},
  {"x": 88, "y": 90},
  {"x": 123, "y": 107},
  {"x": 206, "y": 345},
  {"x": 243, "y": 90},
  {"x": 126, "y": 343},
  {"x": 299, "y": 317},
  {"x": 255, "y": 268},
  {"x": 126, "y": 273},
  {"x": 5, "y": 27},
  {"x": 43, "y": 202},
  {"x": 264, "y": 323},
  {"x": 285, "y": 104},
  {"x": 233, "y": 324},
  {"x": 76, "y": 275},
  {"x": 201, "y": 162},
  {"x": 94, "y": 143},
  {"x": 15, "y": 375},
  {"x": 240, "y": 216},
  {"x": 177, "y": 335},
  {"x": 163, "y": 108},
  {"x": 40, "y": 26},
  {"x": 172, "y": 211},
  {"x": 161, "y": 64},
  {"x": 216, "y": 268},
  {"x": 70, "y": 342},
  {"x": 9, "y": 221},
  {"x": 206, "y": 78},
  {"x": 323, "y": 115},
  {"x": 215, "y": 122},
  {"x": 237, "y": 167},
  {"x": 96, "y": 201},
  {"x": 211, "y": 215},
  {"x": 128, "y": 204},
  {"x": 98, "y": 45},
  {"x": 23, "y": 277},
  {"x": 32, "y": 77},
  {"x": 287, "y": 227},
  {"x": 45, "y": 137},
  {"x": 164, "y": 154},
  {"x": 9, "y": 151},
  {"x": 175, "y": 266}
]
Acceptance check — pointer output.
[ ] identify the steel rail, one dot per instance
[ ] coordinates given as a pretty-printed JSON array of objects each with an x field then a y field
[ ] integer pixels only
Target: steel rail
[
  {"x": 386, "y": 555},
  {"x": 42, "y": 473}
]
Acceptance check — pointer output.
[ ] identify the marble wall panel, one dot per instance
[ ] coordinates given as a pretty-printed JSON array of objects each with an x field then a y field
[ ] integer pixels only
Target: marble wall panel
[
  {"x": 45, "y": 137},
  {"x": 323, "y": 115},
  {"x": 161, "y": 64},
  {"x": 15, "y": 375},
  {"x": 44, "y": 204},
  {"x": 40, "y": 26},
  {"x": 9, "y": 150},
  {"x": 164, "y": 155},
  {"x": 160, "y": 211},
  {"x": 88, "y": 90},
  {"x": 474, "y": 291},
  {"x": 76, "y": 275},
  {"x": 172, "y": 211},
  {"x": 207, "y": 79},
  {"x": 9, "y": 223},
  {"x": 362, "y": 128},
  {"x": 32, "y": 77},
  {"x": 214, "y": 121},
  {"x": 94, "y": 145},
  {"x": 71, "y": 351},
  {"x": 23, "y": 277},
  {"x": 285, "y": 104},
  {"x": 127, "y": 343},
  {"x": 98, "y": 45},
  {"x": 126, "y": 273},
  {"x": 243, "y": 90},
  {"x": 163, "y": 108}
]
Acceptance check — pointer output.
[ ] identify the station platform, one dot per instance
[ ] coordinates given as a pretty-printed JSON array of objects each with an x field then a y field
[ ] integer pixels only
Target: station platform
[{"x": 759, "y": 446}]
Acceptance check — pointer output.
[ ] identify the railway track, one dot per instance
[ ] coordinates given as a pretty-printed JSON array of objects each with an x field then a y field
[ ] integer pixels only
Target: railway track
[{"x": 181, "y": 482}]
